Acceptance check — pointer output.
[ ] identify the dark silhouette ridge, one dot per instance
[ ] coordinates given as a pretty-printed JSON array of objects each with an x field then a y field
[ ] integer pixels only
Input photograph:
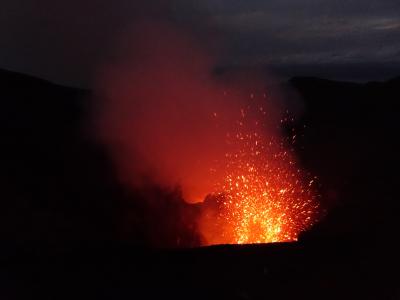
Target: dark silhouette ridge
[
  {"x": 68, "y": 229},
  {"x": 350, "y": 143}
]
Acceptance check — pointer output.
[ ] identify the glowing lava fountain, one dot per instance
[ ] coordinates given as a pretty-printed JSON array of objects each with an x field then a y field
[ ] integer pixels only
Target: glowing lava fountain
[
  {"x": 263, "y": 196},
  {"x": 168, "y": 119}
]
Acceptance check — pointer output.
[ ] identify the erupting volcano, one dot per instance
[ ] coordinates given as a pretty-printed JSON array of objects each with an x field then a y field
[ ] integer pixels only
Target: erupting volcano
[
  {"x": 262, "y": 197},
  {"x": 169, "y": 119}
]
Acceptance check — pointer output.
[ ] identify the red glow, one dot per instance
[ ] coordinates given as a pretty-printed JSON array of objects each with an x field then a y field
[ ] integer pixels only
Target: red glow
[
  {"x": 167, "y": 119},
  {"x": 262, "y": 197}
]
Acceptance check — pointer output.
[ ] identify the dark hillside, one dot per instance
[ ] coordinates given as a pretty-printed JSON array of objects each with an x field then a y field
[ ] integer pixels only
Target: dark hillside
[{"x": 61, "y": 208}]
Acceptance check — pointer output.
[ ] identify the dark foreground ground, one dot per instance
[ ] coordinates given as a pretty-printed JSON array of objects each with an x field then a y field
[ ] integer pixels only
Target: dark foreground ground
[
  {"x": 63, "y": 215},
  {"x": 329, "y": 270}
]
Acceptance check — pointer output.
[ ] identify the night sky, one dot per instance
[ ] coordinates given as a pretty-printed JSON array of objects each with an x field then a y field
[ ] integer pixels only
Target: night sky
[
  {"x": 93, "y": 181},
  {"x": 65, "y": 41}
]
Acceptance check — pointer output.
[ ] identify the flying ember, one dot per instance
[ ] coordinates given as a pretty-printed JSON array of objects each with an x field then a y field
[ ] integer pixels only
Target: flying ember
[
  {"x": 263, "y": 196},
  {"x": 180, "y": 122}
]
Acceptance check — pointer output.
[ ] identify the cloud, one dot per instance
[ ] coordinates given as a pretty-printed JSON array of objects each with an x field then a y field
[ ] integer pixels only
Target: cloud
[
  {"x": 311, "y": 31},
  {"x": 65, "y": 40}
]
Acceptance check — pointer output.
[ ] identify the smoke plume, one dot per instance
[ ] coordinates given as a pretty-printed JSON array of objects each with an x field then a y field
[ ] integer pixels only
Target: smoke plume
[
  {"x": 165, "y": 112},
  {"x": 170, "y": 119}
]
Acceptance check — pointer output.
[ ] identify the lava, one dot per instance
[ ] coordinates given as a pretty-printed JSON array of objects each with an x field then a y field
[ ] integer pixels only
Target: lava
[
  {"x": 169, "y": 119},
  {"x": 262, "y": 197}
]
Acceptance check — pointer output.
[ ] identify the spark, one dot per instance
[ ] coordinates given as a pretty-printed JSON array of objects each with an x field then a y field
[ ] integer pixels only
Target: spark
[{"x": 263, "y": 197}]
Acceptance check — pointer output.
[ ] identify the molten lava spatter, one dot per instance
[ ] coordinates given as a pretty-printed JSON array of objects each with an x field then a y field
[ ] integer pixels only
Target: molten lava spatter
[
  {"x": 263, "y": 196},
  {"x": 168, "y": 116}
]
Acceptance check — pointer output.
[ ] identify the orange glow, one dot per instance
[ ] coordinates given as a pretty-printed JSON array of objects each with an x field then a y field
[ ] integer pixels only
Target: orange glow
[
  {"x": 262, "y": 197},
  {"x": 170, "y": 119}
]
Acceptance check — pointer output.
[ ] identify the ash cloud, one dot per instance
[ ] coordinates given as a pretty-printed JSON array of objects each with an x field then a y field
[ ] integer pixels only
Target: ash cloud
[{"x": 164, "y": 112}]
